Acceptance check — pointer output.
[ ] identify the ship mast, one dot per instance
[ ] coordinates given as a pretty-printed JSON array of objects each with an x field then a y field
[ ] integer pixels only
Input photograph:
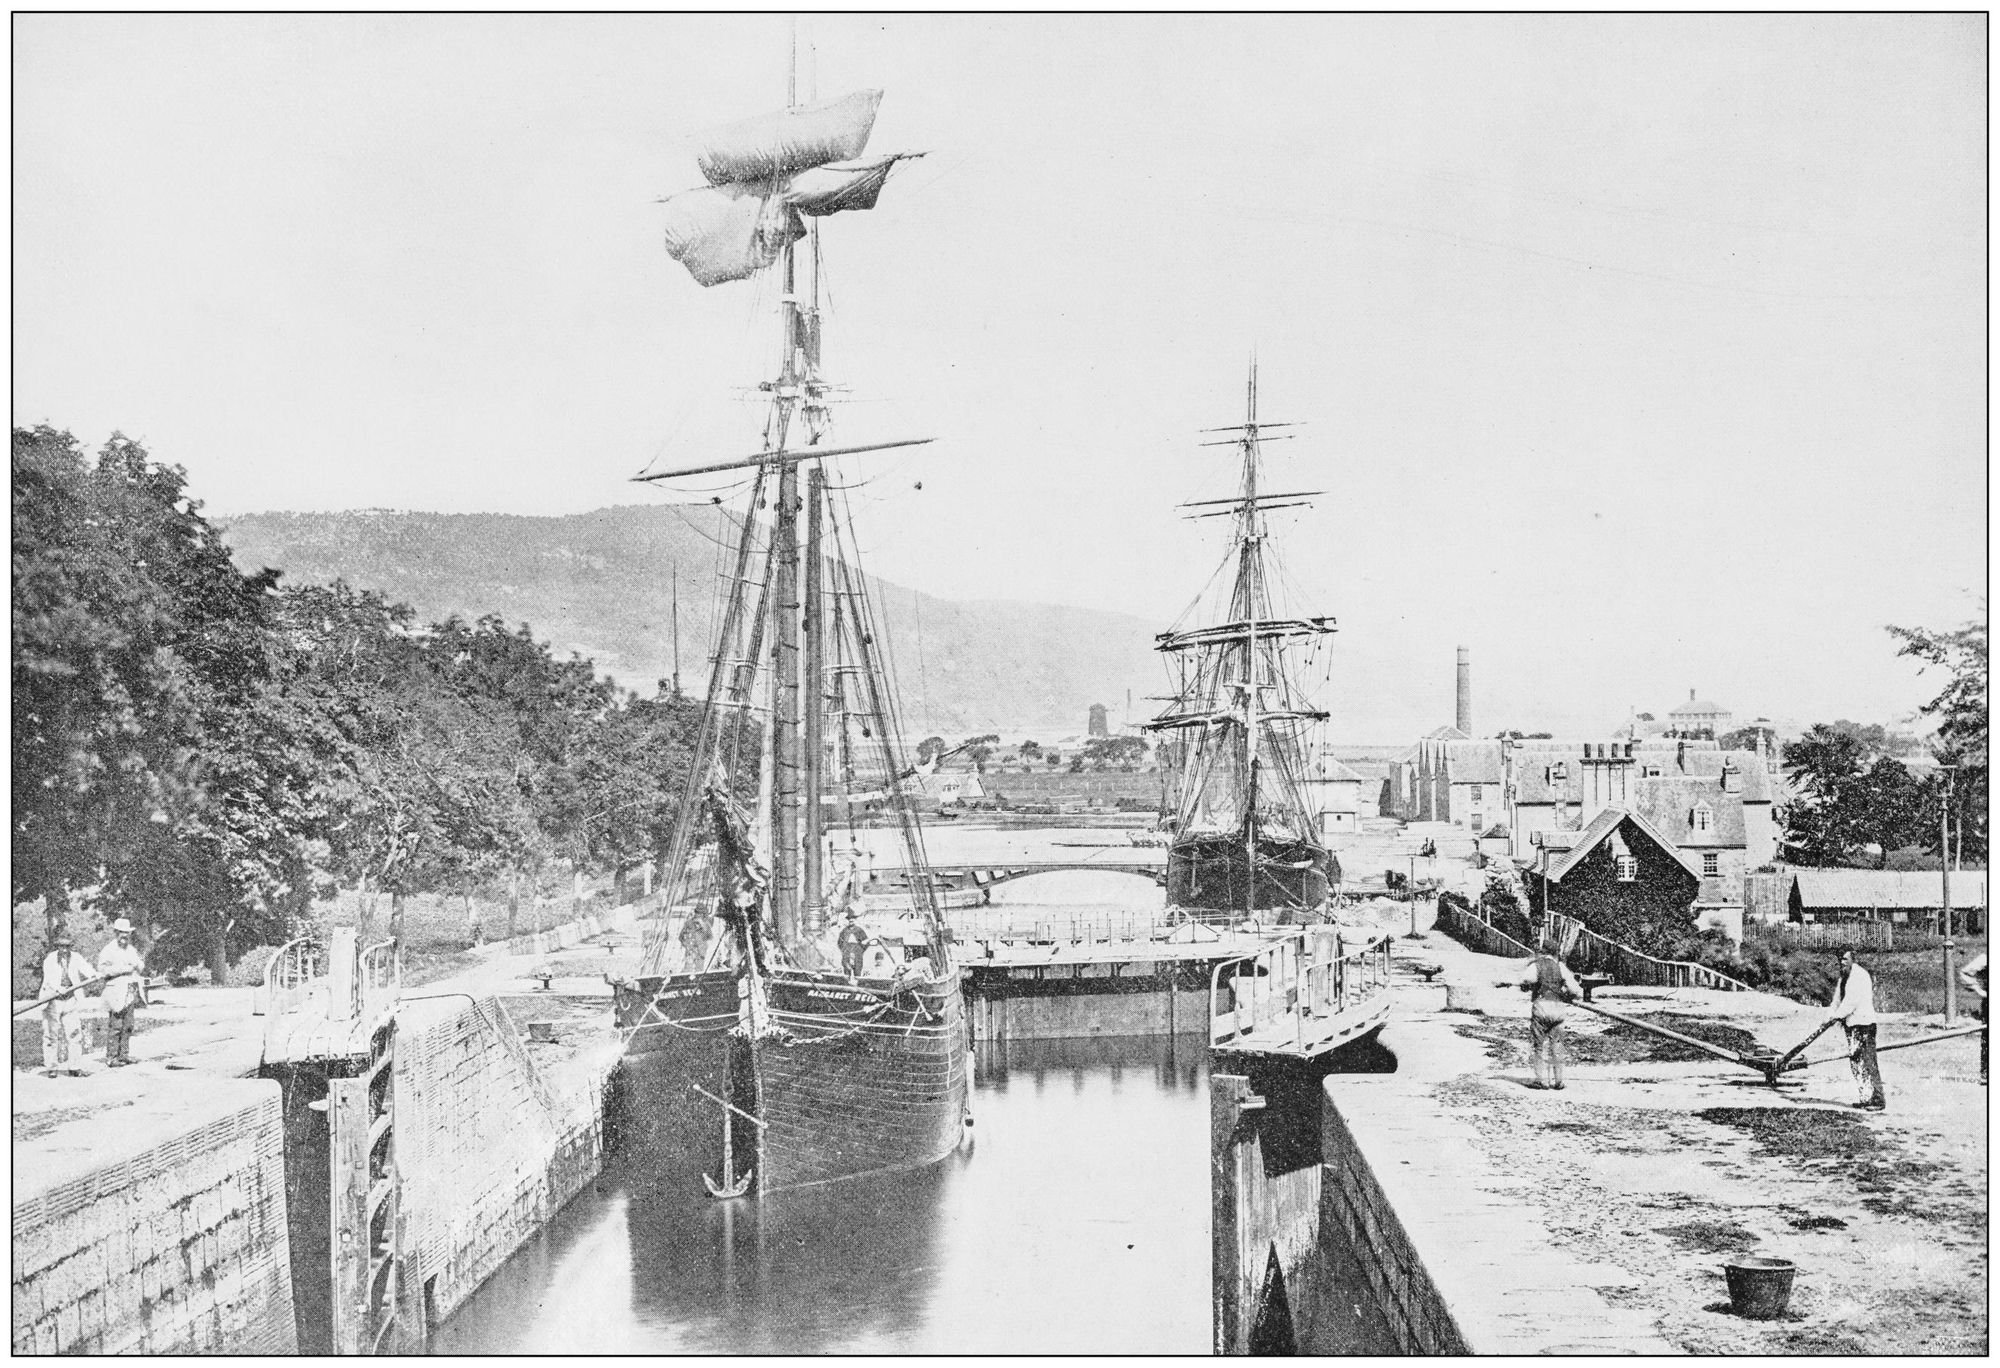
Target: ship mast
[{"x": 1247, "y": 569}]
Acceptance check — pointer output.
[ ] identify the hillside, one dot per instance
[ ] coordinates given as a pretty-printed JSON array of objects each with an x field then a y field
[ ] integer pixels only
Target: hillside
[{"x": 600, "y": 585}]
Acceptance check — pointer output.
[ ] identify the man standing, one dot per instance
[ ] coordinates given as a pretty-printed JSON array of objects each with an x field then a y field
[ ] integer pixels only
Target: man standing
[
  {"x": 853, "y": 942},
  {"x": 1972, "y": 978},
  {"x": 63, "y": 972},
  {"x": 123, "y": 968},
  {"x": 1853, "y": 1006},
  {"x": 1550, "y": 985}
]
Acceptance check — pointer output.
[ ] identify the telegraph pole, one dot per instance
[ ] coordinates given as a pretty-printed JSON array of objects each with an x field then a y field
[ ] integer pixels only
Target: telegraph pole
[{"x": 1944, "y": 913}]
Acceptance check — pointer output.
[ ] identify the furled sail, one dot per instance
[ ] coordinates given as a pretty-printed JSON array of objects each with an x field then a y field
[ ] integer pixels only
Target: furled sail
[
  {"x": 773, "y": 146},
  {"x": 764, "y": 173}
]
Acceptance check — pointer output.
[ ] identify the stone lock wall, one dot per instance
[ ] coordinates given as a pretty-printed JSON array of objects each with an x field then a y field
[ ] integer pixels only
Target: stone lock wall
[
  {"x": 176, "y": 1246},
  {"x": 488, "y": 1150}
]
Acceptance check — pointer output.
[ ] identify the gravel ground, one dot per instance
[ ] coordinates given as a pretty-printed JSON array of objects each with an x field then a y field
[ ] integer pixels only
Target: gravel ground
[{"x": 1887, "y": 1223}]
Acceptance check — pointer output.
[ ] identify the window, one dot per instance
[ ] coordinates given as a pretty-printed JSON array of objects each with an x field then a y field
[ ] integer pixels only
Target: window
[
  {"x": 1478, "y": 796},
  {"x": 1478, "y": 824},
  {"x": 1702, "y": 818},
  {"x": 1627, "y": 866},
  {"x": 1711, "y": 864},
  {"x": 1649, "y": 771}
]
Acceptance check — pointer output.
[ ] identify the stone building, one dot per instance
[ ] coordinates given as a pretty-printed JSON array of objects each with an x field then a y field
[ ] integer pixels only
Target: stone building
[
  {"x": 1699, "y": 717},
  {"x": 1717, "y": 807},
  {"x": 1620, "y": 876}
]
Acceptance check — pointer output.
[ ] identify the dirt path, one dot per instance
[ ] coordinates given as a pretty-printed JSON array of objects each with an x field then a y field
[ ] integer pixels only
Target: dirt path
[{"x": 1667, "y": 1168}]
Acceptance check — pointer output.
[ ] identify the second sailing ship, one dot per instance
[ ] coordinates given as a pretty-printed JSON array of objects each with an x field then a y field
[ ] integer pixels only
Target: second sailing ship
[{"x": 1244, "y": 843}]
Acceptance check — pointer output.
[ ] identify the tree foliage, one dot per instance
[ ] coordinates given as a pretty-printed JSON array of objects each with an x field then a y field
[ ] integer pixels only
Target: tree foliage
[
  {"x": 1851, "y": 803},
  {"x": 1959, "y": 712},
  {"x": 209, "y": 752}
]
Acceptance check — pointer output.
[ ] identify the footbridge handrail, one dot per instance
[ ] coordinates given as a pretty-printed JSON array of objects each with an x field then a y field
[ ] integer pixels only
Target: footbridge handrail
[{"x": 1313, "y": 971}]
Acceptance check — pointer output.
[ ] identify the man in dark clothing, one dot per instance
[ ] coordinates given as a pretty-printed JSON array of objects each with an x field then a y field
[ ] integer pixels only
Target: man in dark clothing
[
  {"x": 853, "y": 941},
  {"x": 1550, "y": 985}
]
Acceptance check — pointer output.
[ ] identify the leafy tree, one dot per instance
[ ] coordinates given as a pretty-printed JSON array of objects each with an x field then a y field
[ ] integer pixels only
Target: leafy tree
[
  {"x": 1030, "y": 749},
  {"x": 1852, "y": 804},
  {"x": 1103, "y": 751},
  {"x": 138, "y": 656},
  {"x": 1959, "y": 712}
]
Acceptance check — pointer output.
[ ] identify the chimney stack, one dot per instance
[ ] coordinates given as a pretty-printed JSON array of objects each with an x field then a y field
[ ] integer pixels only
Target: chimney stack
[{"x": 1465, "y": 691}]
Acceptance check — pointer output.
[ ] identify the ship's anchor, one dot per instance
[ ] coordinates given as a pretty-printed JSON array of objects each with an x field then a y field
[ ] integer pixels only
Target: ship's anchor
[{"x": 731, "y": 1185}]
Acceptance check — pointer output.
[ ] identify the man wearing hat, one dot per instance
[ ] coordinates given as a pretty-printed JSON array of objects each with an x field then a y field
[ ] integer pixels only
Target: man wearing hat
[
  {"x": 123, "y": 968},
  {"x": 853, "y": 940},
  {"x": 63, "y": 973}
]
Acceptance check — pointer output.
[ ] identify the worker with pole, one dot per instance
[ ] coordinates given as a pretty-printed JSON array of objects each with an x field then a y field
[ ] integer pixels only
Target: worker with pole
[
  {"x": 64, "y": 974},
  {"x": 1853, "y": 1006}
]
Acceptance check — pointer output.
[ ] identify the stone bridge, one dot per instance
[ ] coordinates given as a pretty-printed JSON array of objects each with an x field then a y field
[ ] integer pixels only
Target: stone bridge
[{"x": 956, "y": 877}]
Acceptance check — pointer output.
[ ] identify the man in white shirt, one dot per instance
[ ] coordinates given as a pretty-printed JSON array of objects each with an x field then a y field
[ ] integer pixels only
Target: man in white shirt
[
  {"x": 123, "y": 965},
  {"x": 63, "y": 973},
  {"x": 1853, "y": 1006}
]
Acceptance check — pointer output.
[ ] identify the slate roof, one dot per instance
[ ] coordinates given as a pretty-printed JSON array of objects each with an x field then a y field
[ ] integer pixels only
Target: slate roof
[
  {"x": 1600, "y": 830},
  {"x": 1327, "y": 770},
  {"x": 1696, "y": 705},
  {"x": 1446, "y": 734},
  {"x": 1669, "y": 803},
  {"x": 1888, "y": 888},
  {"x": 1473, "y": 762}
]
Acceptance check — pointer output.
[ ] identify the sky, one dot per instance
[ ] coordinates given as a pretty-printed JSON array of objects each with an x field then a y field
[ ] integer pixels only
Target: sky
[{"x": 1636, "y": 354}]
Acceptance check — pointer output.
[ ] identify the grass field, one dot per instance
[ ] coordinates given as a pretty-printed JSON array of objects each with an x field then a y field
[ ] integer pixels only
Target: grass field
[{"x": 1913, "y": 980}]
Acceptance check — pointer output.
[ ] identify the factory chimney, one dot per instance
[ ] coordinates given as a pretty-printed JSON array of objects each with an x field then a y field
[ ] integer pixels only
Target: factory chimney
[{"x": 1465, "y": 691}]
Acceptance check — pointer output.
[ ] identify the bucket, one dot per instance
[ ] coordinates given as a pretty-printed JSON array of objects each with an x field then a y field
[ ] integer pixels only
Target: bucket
[{"x": 1759, "y": 1288}]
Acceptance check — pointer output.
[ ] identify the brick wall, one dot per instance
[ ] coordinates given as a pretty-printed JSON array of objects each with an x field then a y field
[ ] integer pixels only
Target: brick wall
[
  {"x": 177, "y": 1248},
  {"x": 489, "y": 1150}
]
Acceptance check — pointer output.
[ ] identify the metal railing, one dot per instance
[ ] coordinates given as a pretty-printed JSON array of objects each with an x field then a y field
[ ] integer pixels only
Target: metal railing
[
  {"x": 378, "y": 979},
  {"x": 1312, "y": 972},
  {"x": 290, "y": 975},
  {"x": 1077, "y": 928}
]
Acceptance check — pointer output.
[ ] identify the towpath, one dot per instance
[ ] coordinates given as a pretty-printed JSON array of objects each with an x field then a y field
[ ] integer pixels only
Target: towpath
[{"x": 1597, "y": 1219}]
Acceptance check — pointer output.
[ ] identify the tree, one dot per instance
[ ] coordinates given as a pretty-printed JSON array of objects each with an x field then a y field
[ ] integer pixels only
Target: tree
[
  {"x": 138, "y": 652},
  {"x": 1959, "y": 712},
  {"x": 1103, "y": 751},
  {"x": 1852, "y": 803}
]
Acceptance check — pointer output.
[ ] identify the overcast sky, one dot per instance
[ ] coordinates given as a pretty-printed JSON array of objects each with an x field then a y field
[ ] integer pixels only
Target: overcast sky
[{"x": 1635, "y": 353}]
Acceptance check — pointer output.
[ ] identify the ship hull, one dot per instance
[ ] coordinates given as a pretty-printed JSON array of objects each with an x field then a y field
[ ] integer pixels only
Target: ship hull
[
  {"x": 859, "y": 1080},
  {"x": 1212, "y": 877},
  {"x": 848, "y": 1078},
  {"x": 679, "y": 1038}
]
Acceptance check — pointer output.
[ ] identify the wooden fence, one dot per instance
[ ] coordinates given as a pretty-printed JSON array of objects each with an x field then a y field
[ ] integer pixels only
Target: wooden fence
[
  {"x": 1470, "y": 929},
  {"x": 1588, "y": 953},
  {"x": 1591, "y": 953}
]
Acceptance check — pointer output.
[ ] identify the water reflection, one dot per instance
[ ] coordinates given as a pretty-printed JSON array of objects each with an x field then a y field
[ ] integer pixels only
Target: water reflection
[{"x": 1077, "y": 1223}]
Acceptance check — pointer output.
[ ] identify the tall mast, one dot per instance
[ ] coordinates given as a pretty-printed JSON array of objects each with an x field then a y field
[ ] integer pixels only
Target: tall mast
[
  {"x": 677, "y": 629},
  {"x": 1247, "y": 578},
  {"x": 813, "y": 897}
]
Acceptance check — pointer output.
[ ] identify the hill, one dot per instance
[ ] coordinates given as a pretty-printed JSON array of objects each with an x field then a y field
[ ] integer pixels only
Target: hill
[{"x": 600, "y": 585}]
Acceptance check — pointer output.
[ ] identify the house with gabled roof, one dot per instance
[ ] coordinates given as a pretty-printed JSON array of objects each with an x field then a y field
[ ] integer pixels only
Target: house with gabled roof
[
  {"x": 1716, "y": 806},
  {"x": 1620, "y": 876},
  {"x": 1334, "y": 791}
]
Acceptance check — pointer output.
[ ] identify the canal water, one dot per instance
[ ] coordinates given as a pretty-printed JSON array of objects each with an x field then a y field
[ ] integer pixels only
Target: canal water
[{"x": 1076, "y": 1222}]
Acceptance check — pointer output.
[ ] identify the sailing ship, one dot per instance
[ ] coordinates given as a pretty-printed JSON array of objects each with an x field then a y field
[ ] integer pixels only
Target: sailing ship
[
  {"x": 1244, "y": 843},
  {"x": 759, "y": 1043}
]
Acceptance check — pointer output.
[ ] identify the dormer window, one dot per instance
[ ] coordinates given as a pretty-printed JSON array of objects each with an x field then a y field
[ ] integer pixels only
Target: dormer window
[
  {"x": 1702, "y": 818},
  {"x": 1649, "y": 771},
  {"x": 1558, "y": 773}
]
